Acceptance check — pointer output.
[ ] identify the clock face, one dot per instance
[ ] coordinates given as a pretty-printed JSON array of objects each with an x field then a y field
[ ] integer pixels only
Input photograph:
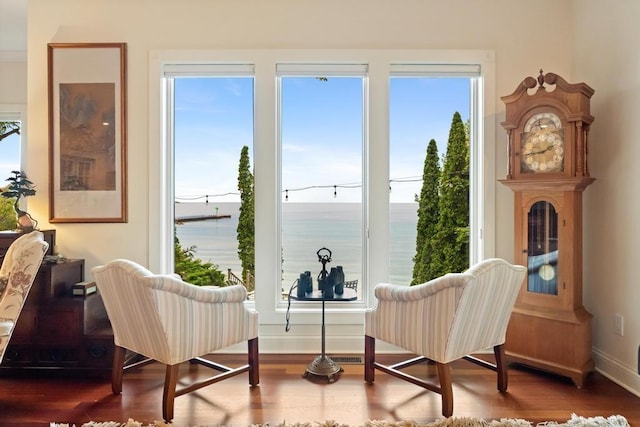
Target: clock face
[{"x": 542, "y": 148}]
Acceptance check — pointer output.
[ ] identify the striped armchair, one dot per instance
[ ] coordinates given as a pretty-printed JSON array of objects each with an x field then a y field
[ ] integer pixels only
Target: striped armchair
[
  {"x": 444, "y": 320},
  {"x": 20, "y": 266},
  {"x": 171, "y": 321}
]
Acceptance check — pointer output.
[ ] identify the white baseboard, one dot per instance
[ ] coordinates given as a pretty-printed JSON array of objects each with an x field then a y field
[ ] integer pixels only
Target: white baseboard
[{"x": 625, "y": 376}]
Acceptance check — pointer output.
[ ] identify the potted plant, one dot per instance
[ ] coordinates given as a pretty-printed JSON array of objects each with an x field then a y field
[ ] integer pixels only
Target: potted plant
[{"x": 20, "y": 186}]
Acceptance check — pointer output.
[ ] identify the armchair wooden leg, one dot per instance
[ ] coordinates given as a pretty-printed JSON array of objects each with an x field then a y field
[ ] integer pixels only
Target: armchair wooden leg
[
  {"x": 446, "y": 389},
  {"x": 254, "y": 362},
  {"x": 169, "y": 393},
  {"x": 501, "y": 367},
  {"x": 369, "y": 358},
  {"x": 117, "y": 369}
]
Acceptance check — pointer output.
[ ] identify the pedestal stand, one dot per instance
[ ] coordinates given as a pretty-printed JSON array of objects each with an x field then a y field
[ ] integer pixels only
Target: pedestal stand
[{"x": 322, "y": 365}]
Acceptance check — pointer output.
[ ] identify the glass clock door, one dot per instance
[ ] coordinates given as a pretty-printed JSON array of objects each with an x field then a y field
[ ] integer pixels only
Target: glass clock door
[{"x": 542, "y": 250}]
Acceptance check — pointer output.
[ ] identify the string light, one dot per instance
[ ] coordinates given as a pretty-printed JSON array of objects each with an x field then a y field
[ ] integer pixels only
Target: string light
[
  {"x": 311, "y": 187},
  {"x": 206, "y": 196}
]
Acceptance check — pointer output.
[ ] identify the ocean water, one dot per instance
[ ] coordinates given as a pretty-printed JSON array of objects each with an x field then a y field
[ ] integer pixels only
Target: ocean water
[{"x": 307, "y": 227}]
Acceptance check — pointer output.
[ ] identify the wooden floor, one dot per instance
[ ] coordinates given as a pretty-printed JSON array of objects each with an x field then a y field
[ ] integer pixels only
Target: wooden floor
[{"x": 285, "y": 396}]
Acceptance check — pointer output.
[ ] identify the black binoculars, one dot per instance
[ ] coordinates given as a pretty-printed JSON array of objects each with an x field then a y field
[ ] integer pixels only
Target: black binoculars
[{"x": 305, "y": 284}]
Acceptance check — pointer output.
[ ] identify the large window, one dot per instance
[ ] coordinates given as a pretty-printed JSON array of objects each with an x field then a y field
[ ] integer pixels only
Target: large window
[
  {"x": 428, "y": 106},
  {"x": 212, "y": 128},
  {"x": 339, "y": 137},
  {"x": 321, "y": 122}
]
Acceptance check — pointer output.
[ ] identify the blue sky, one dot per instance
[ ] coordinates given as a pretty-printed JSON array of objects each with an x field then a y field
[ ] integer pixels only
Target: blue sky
[
  {"x": 213, "y": 120},
  {"x": 321, "y": 134},
  {"x": 9, "y": 157},
  {"x": 321, "y": 131},
  {"x": 421, "y": 109}
]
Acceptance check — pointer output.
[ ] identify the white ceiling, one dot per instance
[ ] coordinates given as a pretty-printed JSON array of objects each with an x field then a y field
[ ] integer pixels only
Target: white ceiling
[{"x": 13, "y": 26}]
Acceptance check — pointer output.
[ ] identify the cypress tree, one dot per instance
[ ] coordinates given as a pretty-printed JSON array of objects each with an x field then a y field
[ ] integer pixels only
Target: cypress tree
[
  {"x": 245, "y": 230},
  {"x": 427, "y": 215},
  {"x": 451, "y": 240}
]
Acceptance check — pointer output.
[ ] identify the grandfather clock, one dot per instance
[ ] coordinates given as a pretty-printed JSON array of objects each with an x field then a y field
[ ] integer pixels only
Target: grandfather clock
[{"x": 547, "y": 122}]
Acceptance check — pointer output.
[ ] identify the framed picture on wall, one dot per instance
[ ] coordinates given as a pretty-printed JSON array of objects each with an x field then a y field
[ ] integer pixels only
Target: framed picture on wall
[{"x": 87, "y": 132}]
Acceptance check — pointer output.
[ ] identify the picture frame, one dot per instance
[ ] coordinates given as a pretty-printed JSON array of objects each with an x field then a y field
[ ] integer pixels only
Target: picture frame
[{"x": 87, "y": 132}]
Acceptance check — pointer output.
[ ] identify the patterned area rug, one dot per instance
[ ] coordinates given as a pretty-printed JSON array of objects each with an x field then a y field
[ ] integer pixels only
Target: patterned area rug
[{"x": 575, "y": 421}]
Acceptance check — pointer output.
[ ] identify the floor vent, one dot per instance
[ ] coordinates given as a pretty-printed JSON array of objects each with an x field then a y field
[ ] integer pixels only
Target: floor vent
[{"x": 348, "y": 360}]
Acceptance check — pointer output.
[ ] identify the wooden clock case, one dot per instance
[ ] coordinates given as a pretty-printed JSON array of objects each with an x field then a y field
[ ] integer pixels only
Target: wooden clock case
[{"x": 550, "y": 330}]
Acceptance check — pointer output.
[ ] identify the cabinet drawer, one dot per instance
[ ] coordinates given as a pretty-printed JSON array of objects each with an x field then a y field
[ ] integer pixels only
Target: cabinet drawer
[
  {"x": 58, "y": 356},
  {"x": 60, "y": 326},
  {"x": 99, "y": 353},
  {"x": 18, "y": 355}
]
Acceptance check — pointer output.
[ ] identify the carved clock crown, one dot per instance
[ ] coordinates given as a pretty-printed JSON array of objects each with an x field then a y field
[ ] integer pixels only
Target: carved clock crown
[{"x": 556, "y": 149}]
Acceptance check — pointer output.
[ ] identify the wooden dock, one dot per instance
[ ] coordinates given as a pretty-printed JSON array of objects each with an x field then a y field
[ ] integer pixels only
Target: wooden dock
[{"x": 192, "y": 218}]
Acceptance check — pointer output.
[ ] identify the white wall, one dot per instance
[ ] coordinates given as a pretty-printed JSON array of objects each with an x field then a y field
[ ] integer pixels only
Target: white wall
[
  {"x": 511, "y": 28},
  {"x": 606, "y": 56},
  {"x": 13, "y": 79},
  {"x": 162, "y": 24}
]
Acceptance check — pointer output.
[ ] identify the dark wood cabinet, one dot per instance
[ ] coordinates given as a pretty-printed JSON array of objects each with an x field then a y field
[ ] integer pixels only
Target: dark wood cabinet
[{"x": 56, "y": 330}]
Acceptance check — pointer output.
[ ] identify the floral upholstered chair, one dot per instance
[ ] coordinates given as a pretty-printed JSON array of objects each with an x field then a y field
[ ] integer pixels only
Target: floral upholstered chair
[
  {"x": 19, "y": 268},
  {"x": 171, "y": 321},
  {"x": 444, "y": 320}
]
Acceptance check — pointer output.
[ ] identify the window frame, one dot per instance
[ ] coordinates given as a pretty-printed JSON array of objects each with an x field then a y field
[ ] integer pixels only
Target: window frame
[
  {"x": 17, "y": 113},
  {"x": 376, "y": 152}
]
